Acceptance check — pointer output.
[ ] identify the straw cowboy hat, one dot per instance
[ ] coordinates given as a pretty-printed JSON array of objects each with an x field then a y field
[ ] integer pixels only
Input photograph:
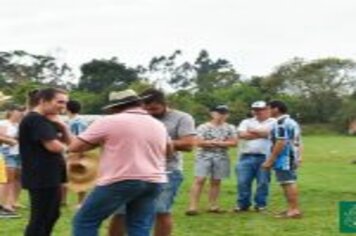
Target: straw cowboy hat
[
  {"x": 82, "y": 170},
  {"x": 122, "y": 98},
  {"x": 3, "y": 97}
]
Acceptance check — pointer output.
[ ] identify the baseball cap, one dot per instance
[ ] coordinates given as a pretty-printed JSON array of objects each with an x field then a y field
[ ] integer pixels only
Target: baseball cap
[
  {"x": 259, "y": 105},
  {"x": 223, "y": 109}
]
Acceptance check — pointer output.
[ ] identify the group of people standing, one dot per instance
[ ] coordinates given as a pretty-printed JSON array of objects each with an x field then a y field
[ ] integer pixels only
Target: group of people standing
[
  {"x": 269, "y": 139},
  {"x": 140, "y": 165}
]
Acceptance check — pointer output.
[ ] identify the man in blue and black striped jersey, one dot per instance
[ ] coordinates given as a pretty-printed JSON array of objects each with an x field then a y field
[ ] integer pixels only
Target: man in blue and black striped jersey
[{"x": 285, "y": 156}]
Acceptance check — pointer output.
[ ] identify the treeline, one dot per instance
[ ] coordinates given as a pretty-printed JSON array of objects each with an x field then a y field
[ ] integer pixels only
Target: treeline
[{"x": 317, "y": 91}]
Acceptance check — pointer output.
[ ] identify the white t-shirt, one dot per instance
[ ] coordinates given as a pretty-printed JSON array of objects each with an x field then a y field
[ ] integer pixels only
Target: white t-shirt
[
  {"x": 256, "y": 146},
  {"x": 12, "y": 132}
]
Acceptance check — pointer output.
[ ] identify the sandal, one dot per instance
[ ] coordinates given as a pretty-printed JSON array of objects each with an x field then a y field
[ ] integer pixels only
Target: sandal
[
  {"x": 285, "y": 215},
  {"x": 216, "y": 210},
  {"x": 191, "y": 212}
]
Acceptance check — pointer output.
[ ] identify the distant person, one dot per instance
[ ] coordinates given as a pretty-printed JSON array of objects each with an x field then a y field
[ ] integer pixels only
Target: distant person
[
  {"x": 132, "y": 166},
  {"x": 255, "y": 147},
  {"x": 285, "y": 156},
  {"x": 181, "y": 129},
  {"x": 42, "y": 143},
  {"x": 77, "y": 125},
  {"x": 11, "y": 189},
  {"x": 214, "y": 138}
]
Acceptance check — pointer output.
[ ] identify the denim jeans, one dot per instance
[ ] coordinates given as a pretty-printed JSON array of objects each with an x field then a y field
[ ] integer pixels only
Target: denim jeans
[
  {"x": 103, "y": 201},
  {"x": 248, "y": 169}
]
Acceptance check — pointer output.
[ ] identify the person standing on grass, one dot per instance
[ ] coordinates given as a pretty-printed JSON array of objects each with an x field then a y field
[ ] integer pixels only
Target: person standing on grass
[
  {"x": 214, "y": 138},
  {"x": 131, "y": 167},
  {"x": 11, "y": 189},
  {"x": 181, "y": 129},
  {"x": 43, "y": 140},
  {"x": 255, "y": 146},
  {"x": 77, "y": 125},
  {"x": 284, "y": 158}
]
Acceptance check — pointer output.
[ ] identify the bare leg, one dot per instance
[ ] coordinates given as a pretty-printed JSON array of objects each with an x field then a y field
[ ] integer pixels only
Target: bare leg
[
  {"x": 18, "y": 187},
  {"x": 291, "y": 194},
  {"x": 195, "y": 193},
  {"x": 117, "y": 226},
  {"x": 164, "y": 224},
  {"x": 214, "y": 193},
  {"x": 10, "y": 189}
]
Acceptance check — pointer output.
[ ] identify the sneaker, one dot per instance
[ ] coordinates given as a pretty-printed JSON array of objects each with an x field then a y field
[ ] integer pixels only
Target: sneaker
[
  {"x": 5, "y": 213},
  {"x": 240, "y": 210},
  {"x": 260, "y": 209}
]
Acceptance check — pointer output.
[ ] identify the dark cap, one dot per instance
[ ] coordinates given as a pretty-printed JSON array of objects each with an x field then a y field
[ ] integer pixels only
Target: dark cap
[{"x": 222, "y": 109}]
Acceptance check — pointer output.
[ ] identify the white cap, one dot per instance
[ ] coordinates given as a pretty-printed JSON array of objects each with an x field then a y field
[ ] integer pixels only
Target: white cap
[{"x": 259, "y": 105}]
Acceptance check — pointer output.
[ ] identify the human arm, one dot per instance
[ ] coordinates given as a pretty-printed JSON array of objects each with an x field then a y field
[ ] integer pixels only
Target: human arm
[
  {"x": 185, "y": 140},
  {"x": 277, "y": 149},
  {"x": 92, "y": 137},
  {"x": 5, "y": 138}
]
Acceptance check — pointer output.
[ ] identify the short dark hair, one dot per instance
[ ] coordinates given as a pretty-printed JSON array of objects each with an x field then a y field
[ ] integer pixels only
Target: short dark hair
[
  {"x": 74, "y": 106},
  {"x": 281, "y": 106},
  {"x": 153, "y": 95}
]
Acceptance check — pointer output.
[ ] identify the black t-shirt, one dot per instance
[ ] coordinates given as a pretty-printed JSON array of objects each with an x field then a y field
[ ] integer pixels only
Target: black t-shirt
[{"x": 40, "y": 167}]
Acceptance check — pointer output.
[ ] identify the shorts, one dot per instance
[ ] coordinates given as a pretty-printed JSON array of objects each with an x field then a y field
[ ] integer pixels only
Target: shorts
[
  {"x": 214, "y": 167},
  {"x": 286, "y": 176},
  {"x": 165, "y": 199},
  {"x": 13, "y": 161}
]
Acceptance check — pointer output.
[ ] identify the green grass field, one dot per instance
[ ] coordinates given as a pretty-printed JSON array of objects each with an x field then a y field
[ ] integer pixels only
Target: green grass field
[{"x": 325, "y": 178}]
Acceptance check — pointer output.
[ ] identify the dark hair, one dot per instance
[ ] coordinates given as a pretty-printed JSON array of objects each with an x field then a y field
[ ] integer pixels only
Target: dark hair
[
  {"x": 32, "y": 100},
  {"x": 74, "y": 106},
  {"x": 153, "y": 95},
  {"x": 281, "y": 106},
  {"x": 48, "y": 94}
]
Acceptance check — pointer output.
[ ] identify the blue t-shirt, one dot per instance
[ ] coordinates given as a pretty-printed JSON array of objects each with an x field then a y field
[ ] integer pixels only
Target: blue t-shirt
[
  {"x": 77, "y": 125},
  {"x": 286, "y": 129}
]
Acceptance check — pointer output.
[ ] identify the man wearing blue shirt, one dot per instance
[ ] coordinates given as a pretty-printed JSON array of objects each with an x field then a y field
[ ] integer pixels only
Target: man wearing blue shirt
[{"x": 284, "y": 157}]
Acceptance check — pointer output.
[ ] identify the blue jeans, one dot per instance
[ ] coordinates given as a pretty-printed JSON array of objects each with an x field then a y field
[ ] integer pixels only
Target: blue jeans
[
  {"x": 165, "y": 199},
  {"x": 103, "y": 201},
  {"x": 248, "y": 169}
]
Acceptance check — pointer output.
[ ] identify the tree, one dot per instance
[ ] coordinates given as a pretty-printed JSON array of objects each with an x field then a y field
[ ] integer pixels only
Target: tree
[
  {"x": 106, "y": 75},
  {"x": 17, "y": 67},
  {"x": 320, "y": 85}
]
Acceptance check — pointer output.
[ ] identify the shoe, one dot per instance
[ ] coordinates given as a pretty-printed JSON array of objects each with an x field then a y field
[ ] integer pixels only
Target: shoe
[
  {"x": 5, "y": 213},
  {"x": 216, "y": 210},
  {"x": 260, "y": 209},
  {"x": 191, "y": 212},
  {"x": 240, "y": 210}
]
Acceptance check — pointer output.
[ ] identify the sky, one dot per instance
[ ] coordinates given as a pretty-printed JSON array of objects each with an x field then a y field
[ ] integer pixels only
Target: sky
[{"x": 254, "y": 35}]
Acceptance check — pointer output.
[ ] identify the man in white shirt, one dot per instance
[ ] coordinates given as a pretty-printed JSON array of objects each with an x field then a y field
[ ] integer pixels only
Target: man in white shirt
[{"x": 255, "y": 146}]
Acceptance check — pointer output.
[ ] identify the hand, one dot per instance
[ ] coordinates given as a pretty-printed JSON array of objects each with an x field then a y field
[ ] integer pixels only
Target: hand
[
  {"x": 267, "y": 165},
  {"x": 210, "y": 143},
  {"x": 57, "y": 120}
]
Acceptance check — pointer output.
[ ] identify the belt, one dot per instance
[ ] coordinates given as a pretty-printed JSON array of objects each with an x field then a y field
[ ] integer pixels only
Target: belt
[{"x": 254, "y": 154}]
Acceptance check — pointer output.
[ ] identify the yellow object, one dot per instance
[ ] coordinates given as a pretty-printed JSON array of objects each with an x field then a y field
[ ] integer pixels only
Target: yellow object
[{"x": 3, "y": 176}]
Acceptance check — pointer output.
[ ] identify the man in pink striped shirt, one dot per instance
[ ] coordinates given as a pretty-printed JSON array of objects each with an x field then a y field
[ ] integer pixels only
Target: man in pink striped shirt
[{"x": 131, "y": 168}]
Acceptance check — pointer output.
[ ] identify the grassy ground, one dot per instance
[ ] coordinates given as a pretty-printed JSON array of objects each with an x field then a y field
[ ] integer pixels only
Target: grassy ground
[{"x": 326, "y": 178}]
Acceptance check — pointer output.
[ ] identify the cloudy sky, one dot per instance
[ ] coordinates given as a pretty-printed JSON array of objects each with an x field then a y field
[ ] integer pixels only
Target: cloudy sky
[{"x": 255, "y": 35}]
